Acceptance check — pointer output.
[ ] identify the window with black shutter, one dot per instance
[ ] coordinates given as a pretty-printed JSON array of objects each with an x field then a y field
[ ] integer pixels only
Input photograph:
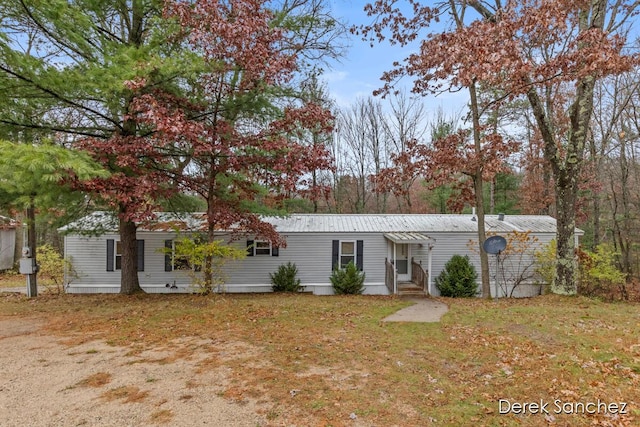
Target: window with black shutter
[
  {"x": 114, "y": 255},
  {"x": 345, "y": 251},
  {"x": 174, "y": 262}
]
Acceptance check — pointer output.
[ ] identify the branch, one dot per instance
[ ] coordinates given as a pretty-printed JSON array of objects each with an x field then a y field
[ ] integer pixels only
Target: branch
[
  {"x": 482, "y": 10},
  {"x": 50, "y": 34},
  {"x": 59, "y": 97},
  {"x": 55, "y": 129}
]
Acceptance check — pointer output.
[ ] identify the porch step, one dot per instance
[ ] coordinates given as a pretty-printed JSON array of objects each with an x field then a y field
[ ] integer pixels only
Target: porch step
[{"x": 410, "y": 289}]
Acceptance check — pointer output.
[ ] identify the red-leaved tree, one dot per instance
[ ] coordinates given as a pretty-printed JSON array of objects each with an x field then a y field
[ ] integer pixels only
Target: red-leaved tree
[
  {"x": 533, "y": 49},
  {"x": 241, "y": 136}
]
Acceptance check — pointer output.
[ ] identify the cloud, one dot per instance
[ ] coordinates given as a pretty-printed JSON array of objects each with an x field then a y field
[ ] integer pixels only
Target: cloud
[{"x": 335, "y": 76}]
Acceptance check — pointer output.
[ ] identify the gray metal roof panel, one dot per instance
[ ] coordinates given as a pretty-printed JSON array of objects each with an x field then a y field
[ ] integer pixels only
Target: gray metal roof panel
[{"x": 338, "y": 223}]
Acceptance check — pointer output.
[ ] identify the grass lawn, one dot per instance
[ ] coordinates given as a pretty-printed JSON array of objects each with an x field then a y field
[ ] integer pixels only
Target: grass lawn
[
  {"x": 12, "y": 280},
  {"x": 330, "y": 361}
]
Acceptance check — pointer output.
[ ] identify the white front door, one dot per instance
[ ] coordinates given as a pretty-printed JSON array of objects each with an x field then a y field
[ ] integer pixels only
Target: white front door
[{"x": 403, "y": 262}]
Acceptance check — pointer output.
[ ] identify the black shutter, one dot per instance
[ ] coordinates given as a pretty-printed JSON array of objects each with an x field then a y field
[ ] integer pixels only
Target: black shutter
[
  {"x": 359, "y": 249},
  {"x": 275, "y": 251},
  {"x": 140, "y": 248},
  {"x": 168, "y": 249},
  {"x": 110, "y": 254},
  {"x": 249, "y": 247},
  {"x": 335, "y": 264}
]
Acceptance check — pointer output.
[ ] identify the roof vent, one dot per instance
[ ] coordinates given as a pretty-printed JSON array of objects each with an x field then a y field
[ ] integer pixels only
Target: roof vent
[
  {"x": 473, "y": 214},
  {"x": 500, "y": 217}
]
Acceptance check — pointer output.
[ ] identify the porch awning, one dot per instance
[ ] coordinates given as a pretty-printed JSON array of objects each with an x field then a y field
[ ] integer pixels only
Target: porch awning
[{"x": 408, "y": 238}]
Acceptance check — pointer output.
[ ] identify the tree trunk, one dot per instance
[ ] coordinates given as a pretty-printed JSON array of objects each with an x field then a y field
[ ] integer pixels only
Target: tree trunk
[
  {"x": 208, "y": 260},
  {"x": 32, "y": 279},
  {"x": 482, "y": 235},
  {"x": 129, "y": 283},
  {"x": 479, "y": 194},
  {"x": 622, "y": 230},
  {"x": 595, "y": 200},
  {"x": 567, "y": 264}
]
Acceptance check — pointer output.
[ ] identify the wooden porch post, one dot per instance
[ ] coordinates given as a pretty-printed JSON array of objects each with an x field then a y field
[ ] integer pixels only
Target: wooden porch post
[
  {"x": 429, "y": 269},
  {"x": 395, "y": 267}
]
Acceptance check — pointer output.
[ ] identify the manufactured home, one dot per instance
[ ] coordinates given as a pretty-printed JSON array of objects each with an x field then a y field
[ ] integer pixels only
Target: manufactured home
[{"x": 398, "y": 253}]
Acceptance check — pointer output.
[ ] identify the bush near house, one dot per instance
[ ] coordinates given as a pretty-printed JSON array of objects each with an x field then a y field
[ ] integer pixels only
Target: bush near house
[
  {"x": 458, "y": 279},
  {"x": 52, "y": 265},
  {"x": 546, "y": 264},
  {"x": 348, "y": 280},
  {"x": 600, "y": 276},
  {"x": 285, "y": 279}
]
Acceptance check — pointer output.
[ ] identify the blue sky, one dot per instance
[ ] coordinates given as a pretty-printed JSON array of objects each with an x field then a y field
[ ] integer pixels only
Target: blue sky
[{"x": 358, "y": 74}]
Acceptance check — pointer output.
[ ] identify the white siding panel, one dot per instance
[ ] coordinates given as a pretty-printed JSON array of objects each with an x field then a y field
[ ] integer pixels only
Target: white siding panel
[
  {"x": 448, "y": 244},
  {"x": 311, "y": 252},
  {"x": 88, "y": 257},
  {"x": 7, "y": 248}
]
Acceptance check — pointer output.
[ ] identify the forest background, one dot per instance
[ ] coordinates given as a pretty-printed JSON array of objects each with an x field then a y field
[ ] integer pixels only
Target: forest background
[{"x": 221, "y": 107}]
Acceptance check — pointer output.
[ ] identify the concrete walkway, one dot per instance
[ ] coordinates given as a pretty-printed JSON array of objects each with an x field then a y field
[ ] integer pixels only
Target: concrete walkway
[{"x": 423, "y": 310}]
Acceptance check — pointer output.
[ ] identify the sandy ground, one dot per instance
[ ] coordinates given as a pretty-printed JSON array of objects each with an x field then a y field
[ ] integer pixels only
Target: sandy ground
[{"x": 45, "y": 382}]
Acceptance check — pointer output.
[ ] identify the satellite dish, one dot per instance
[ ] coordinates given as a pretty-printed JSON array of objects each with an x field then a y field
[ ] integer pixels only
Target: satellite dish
[{"x": 494, "y": 245}]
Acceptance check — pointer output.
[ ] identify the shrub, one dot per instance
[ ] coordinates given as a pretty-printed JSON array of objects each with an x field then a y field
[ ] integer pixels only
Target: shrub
[
  {"x": 204, "y": 262},
  {"x": 52, "y": 266},
  {"x": 458, "y": 279},
  {"x": 348, "y": 280},
  {"x": 546, "y": 263},
  {"x": 285, "y": 280},
  {"x": 599, "y": 275}
]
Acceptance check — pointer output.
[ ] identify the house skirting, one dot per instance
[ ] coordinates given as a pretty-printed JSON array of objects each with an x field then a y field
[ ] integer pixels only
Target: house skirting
[{"x": 316, "y": 289}]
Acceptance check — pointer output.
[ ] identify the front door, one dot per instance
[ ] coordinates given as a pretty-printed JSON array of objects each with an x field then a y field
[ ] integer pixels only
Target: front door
[{"x": 403, "y": 265}]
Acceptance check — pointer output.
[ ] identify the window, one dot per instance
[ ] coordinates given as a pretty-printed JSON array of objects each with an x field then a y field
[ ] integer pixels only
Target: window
[
  {"x": 114, "y": 255},
  {"x": 118, "y": 255},
  {"x": 347, "y": 253},
  {"x": 262, "y": 247},
  {"x": 172, "y": 261}
]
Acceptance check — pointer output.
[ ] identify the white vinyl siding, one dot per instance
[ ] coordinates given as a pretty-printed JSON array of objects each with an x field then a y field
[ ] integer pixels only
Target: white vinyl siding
[{"x": 312, "y": 252}]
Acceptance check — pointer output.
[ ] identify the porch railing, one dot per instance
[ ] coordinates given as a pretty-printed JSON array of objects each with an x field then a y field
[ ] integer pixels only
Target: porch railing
[
  {"x": 419, "y": 275},
  {"x": 390, "y": 276}
]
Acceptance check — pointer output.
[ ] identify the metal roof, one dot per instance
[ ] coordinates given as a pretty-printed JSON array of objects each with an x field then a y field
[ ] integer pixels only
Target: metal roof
[
  {"x": 408, "y": 237},
  {"x": 7, "y": 223},
  {"x": 407, "y": 223},
  {"x": 339, "y": 223},
  {"x": 102, "y": 222}
]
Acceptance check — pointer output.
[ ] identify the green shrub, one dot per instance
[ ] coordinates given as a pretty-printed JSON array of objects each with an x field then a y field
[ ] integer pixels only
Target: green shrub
[
  {"x": 458, "y": 279},
  {"x": 600, "y": 277},
  {"x": 546, "y": 264},
  {"x": 204, "y": 261},
  {"x": 52, "y": 266},
  {"x": 285, "y": 280},
  {"x": 348, "y": 280}
]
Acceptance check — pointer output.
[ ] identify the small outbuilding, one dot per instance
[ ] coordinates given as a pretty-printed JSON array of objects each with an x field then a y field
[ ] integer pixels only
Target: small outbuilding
[
  {"x": 398, "y": 253},
  {"x": 8, "y": 229}
]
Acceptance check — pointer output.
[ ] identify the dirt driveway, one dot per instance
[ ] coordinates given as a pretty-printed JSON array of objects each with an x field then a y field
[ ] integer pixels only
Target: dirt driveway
[{"x": 47, "y": 382}]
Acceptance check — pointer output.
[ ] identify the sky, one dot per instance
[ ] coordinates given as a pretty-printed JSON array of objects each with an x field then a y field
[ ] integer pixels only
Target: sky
[{"x": 359, "y": 71}]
